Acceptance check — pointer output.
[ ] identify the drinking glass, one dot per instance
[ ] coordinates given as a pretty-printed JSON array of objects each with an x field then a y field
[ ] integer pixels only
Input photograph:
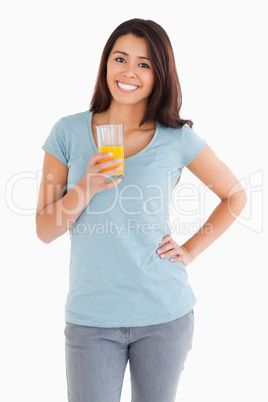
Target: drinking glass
[{"x": 111, "y": 139}]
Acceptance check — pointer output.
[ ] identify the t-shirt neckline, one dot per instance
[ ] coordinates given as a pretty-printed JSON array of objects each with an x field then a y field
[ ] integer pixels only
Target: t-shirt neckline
[{"x": 130, "y": 158}]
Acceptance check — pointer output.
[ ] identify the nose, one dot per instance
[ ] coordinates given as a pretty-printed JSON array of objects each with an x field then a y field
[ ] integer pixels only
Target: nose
[{"x": 129, "y": 71}]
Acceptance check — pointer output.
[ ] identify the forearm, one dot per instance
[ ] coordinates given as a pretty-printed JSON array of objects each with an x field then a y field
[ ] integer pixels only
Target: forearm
[
  {"x": 218, "y": 222},
  {"x": 56, "y": 218}
]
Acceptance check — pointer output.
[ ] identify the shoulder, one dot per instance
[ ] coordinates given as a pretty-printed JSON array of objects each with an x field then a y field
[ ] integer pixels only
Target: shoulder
[
  {"x": 178, "y": 133},
  {"x": 72, "y": 127},
  {"x": 170, "y": 130},
  {"x": 69, "y": 128},
  {"x": 184, "y": 140},
  {"x": 74, "y": 120},
  {"x": 184, "y": 134},
  {"x": 169, "y": 134}
]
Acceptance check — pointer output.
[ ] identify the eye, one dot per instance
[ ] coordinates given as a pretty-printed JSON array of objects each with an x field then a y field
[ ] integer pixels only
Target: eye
[
  {"x": 144, "y": 65},
  {"x": 120, "y": 60}
]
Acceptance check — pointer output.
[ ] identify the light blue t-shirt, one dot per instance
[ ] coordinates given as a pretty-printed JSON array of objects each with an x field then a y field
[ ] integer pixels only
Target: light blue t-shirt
[{"x": 116, "y": 277}]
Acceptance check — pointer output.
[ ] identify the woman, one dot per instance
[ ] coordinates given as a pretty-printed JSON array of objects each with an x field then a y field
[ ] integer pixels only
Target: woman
[{"x": 129, "y": 297}]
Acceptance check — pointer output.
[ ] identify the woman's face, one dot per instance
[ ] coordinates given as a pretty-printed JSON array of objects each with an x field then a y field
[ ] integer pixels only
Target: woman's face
[{"x": 130, "y": 77}]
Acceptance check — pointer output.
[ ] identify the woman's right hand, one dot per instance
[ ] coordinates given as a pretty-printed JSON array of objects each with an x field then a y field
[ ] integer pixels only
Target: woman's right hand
[
  {"x": 95, "y": 177},
  {"x": 58, "y": 210}
]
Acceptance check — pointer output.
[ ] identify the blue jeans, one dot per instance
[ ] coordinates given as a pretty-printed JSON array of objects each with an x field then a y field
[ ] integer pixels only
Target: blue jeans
[{"x": 96, "y": 360}]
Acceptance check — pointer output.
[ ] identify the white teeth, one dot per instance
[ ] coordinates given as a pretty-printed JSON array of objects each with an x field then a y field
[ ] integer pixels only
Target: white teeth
[{"x": 126, "y": 87}]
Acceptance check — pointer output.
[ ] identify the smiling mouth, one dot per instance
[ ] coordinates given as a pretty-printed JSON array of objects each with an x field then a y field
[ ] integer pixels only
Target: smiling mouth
[{"x": 126, "y": 87}]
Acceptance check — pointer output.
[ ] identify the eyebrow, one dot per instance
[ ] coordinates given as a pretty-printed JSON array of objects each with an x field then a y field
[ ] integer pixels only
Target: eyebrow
[{"x": 126, "y": 54}]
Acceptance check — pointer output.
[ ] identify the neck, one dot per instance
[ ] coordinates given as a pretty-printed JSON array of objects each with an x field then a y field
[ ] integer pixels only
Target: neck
[{"x": 128, "y": 115}]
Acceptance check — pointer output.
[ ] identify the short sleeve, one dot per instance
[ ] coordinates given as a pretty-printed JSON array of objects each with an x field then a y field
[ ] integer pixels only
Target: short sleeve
[
  {"x": 55, "y": 143},
  {"x": 192, "y": 144}
]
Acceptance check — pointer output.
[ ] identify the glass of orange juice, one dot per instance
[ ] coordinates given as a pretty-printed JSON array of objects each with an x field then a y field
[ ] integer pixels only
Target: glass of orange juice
[{"x": 111, "y": 139}]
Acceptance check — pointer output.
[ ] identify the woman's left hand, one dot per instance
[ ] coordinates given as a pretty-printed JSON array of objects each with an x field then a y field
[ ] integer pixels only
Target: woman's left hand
[{"x": 171, "y": 249}]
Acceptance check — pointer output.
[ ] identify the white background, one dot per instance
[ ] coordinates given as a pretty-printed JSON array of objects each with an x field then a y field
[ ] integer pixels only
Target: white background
[{"x": 50, "y": 54}]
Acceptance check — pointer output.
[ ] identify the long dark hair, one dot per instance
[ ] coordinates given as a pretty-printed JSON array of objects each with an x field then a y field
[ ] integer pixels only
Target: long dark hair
[{"x": 165, "y": 100}]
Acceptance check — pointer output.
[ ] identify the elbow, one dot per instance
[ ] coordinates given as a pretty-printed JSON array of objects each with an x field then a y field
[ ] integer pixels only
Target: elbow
[
  {"x": 42, "y": 236},
  {"x": 242, "y": 199},
  {"x": 41, "y": 232},
  {"x": 237, "y": 202}
]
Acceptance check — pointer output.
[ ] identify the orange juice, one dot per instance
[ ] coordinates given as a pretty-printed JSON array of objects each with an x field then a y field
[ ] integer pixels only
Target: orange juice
[{"x": 118, "y": 152}]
